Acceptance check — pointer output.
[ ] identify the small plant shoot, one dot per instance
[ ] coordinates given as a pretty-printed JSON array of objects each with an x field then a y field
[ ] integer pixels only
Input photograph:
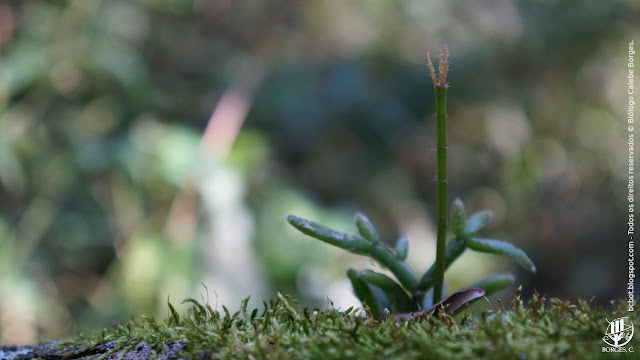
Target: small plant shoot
[{"x": 406, "y": 296}]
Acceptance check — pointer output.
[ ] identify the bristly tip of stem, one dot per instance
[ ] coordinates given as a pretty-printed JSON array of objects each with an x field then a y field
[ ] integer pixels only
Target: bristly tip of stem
[{"x": 443, "y": 68}]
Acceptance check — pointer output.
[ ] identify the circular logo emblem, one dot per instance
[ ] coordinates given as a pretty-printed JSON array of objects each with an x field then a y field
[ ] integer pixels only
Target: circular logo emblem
[{"x": 619, "y": 332}]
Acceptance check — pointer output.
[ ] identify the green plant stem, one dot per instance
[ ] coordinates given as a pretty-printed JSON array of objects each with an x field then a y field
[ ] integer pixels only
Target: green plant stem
[
  {"x": 441, "y": 142},
  {"x": 455, "y": 248}
]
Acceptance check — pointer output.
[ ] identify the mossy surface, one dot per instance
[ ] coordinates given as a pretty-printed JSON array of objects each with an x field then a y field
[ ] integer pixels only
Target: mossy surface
[{"x": 541, "y": 329}]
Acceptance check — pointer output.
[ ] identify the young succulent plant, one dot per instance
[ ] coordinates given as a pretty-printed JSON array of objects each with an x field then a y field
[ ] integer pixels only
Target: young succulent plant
[{"x": 406, "y": 297}]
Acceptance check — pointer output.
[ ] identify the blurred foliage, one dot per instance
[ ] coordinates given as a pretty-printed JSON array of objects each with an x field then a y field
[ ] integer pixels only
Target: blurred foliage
[{"x": 118, "y": 187}]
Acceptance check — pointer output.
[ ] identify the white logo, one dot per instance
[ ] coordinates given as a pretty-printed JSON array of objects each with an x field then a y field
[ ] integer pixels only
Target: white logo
[{"x": 619, "y": 332}]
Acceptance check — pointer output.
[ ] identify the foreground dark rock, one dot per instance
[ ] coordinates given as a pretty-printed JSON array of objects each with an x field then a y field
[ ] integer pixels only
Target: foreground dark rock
[{"x": 142, "y": 351}]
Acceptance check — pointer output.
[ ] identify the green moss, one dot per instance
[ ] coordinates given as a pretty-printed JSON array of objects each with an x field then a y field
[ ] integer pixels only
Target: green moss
[{"x": 542, "y": 330}]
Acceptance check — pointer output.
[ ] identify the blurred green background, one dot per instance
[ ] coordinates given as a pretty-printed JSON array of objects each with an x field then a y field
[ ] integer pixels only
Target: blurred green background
[{"x": 149, "y": 149}]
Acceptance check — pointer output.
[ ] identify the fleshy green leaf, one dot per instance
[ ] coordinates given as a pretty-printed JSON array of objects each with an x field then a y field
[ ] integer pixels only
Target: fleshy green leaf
[
  {"x": 379, "y": 295},
  {"x": 399, "y": 268},
  {"x": 455, "y": 248},
  {"x": 364, "y": 294},
  {"x": 402, "y": 248},
  {"x": 477, "y": 221},
  {"x": 501, "y": 248},
  {"x": 400, "y": 301},
  {"x": 458, "y": 218},
  {"x": 494, "y": 283},
  {"x": 365, "y": 228},
  {"x": 353, "y": 243}
]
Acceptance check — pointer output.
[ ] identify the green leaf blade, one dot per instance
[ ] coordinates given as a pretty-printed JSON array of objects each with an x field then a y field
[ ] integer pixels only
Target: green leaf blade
[
  {"x": 353, "y": 243},
  {"x": 458, "y": 218},
  {"x": 402, "y": 248},
  {"x": 501, "y": 248},
  {"x": 399, "y": 269},
  {"x": 477, "y": 221},
  {"x": 400, "y": 301},
  {"x": 364, "y": 294},
  {"x": 365, "y": 228}
]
